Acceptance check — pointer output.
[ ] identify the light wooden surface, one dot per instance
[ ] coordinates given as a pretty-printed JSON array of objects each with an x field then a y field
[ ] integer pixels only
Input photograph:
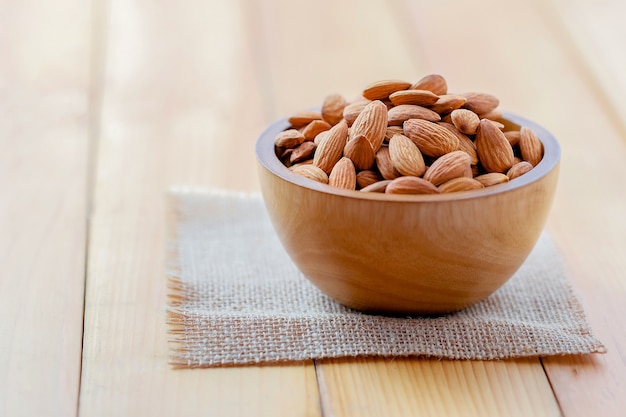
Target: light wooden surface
[{"x": 103, "y": 106}]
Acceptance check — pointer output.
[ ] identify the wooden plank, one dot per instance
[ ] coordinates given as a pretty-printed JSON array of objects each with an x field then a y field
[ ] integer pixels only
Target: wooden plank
[
  {"x": 345, "y": 50},
  {"x": 533, "y": 74},
  {"x": 376, "y": 387},
  {"x": 181, "y": 105},
  {"x": 44, "y": 51},
  {"x": 596, "y": 35}
]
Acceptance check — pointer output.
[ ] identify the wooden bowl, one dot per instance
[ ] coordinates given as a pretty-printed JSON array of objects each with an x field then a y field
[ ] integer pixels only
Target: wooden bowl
[{"x": 408, "y": 254}]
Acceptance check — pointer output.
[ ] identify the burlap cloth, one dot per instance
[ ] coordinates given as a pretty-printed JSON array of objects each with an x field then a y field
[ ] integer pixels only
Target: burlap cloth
[{"x": 236, "y": 298}]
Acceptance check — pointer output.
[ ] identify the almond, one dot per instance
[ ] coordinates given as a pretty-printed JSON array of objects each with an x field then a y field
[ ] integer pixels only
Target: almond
[
  {"x": 397, "y": 115},
  {"x": 306, "y": 162},
  {"x": 451, "y": 165},
  {"x": 447, "y": 103},
  {"x": 530, "y": 146},
  {"x": 360, "y": 152},
  {"x": 382, "y": 89},
  {"x": 494, "y": 150},
  {"x": 371, "y": 123},
  {"x": 406, "y": 157},
  {"x": 411, "y": 185},
  {"x": 384, "y": 164},
  {"x": 519, "y": 169},
  {"x": 416, "y": 97},
  {"x": 330, "y": 150},
  {"x": 392, "y": 131},
  {"x": 465, "y": 143},
  {"x": 466, "y": 121},
  {"x": 303, "y": 118},
  {"x": 311, "y": 172},
  {"x": 320, "y": 137},
  {"x": 460, "y": 184},
  {"x": 343, "y": 175},
  {"x": 315, "y": 128},
  {"x": 289, "y": 139},
  {"x": 512, "y": 136},
  {"x": 492, "y": 115},
  {"x": 434, "y": 83},
  {"x": 303, "y": 152},
  {"x": 367, "y": 177},
  {"x": 332, "y": 108},
  {"x": 430, "y": 138},
  {"x": 480, "y": 103},
  {"x": 377, "y": 187},
  {"x": 352, "y": 110},
  {"x": 493, "y": 178}
]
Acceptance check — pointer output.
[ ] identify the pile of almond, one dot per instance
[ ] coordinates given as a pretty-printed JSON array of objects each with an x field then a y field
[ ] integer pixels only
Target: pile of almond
[{"x": 403, "y": 138}]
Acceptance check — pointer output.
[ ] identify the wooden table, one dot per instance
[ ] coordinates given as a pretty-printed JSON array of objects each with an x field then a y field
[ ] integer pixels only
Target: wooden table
[{"x": 103, "y": 106}]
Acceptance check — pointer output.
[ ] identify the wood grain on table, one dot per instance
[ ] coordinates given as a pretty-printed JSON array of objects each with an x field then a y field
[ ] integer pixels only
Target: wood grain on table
[{"x": 105, "y": 105}]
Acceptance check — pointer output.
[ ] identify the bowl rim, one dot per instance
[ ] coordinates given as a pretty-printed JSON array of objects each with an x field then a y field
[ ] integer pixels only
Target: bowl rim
[{"x": 266, "y": 156}]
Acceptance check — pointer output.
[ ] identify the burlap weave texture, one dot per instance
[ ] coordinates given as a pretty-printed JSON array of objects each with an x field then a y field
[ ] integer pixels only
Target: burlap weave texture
[{"x": 236, "y": 298}]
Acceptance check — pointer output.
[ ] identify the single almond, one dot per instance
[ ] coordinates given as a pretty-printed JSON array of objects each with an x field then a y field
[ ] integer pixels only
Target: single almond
[
  {"x": 289, "y": 138},
  {"x": 494, "y": 150},
  {"x": 320, "y": 137},
  {"x": 430, "y": 138},
  {"x": 465, "y": 143},
  {"x": 460, "y": 184},
  {"x": 392, "y": 131},
  {"x": 303, "y": 152},
  {"x": 447, "y": 103},
  {"x": 397, "y": 115},
  {"x": 330, "y": 150},
  {"x": 416, "y": 97},
  {"x": 332, "y": 108},
  {"x": 512, "y": 136},
  {"x": 466, "y": 121},
  {"x": 311, "y": 172},
  {"x": 406, "y": 157},
  {"x": 519, "y": 169},
  {"x": 360, "y": 152},
  {"x": 371, "y": 123},
  {"x": 492, "y": 178},
  {"x": 377, "y": 187},
  {"x": 451, "y": 165},
  {"x": 530, "y": 146},
  {"x": 352, "y": 110},
  {"x": 367, "y": 178},
  {"x": 411, "y": 185},
  {"x": 285, "y": 155},
  {"x": 434, "y": 83},
  {"x": 382, "y": 89},
  {"x": 480, "y": 103},
  {"x": 306, "y": 162},
  {"x": 315, "y": 128},
  {"x": 384, "y": 164},
  {"x": 343, "y": 175},
  {"x": 492, "y": 115},
  {"x": 303, "y": 118}
]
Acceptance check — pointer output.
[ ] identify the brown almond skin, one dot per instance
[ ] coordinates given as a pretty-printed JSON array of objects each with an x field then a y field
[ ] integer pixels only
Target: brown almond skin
[
  {"x": 377, "y": 187},
  {"x": 330, "y": 150},
  {"x": 512, "y": 136},
  {"x": 397, "y": 115},
  {"x": 530, "y": 146},
  {"x": 411, "y": 185},
  {"x": 466, "y": 121},
  {"x": 289, "y": 138},
  {"x": 371, "y": 123},
  {"x": 381, "y": 90},
  {"x": 451, "y": 165},
  {"x": 447, "y": 103},
  {"x": 430, "y": 138},
  {"x": 332, "y": 108},
  {"x": 465, "y": 143},
  {"x": 384, "y": 164},
  {"x": 343, "y": 175},
  {"x": 360, "y": 152},
  {"x": 416, "y": 97},
  {"x": 406, "y": 156},
  {"x": 434, "y": 83},
  {"x": 315, "y": 128},
  {"x": 519, "y": 169},
  {"x": 493, "y": 178},
  {"x": 460, "y": 184},
  {"x": 367, "y": 178},
  {"x": 494, "y": 150},
  {"x": 303, "y": 118},
  {"x": 480, "y": 103},
  {"x": 303, "y": 152},
  {"x": 352, "y": 110},
  {"x": 311, "y": 172}
]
